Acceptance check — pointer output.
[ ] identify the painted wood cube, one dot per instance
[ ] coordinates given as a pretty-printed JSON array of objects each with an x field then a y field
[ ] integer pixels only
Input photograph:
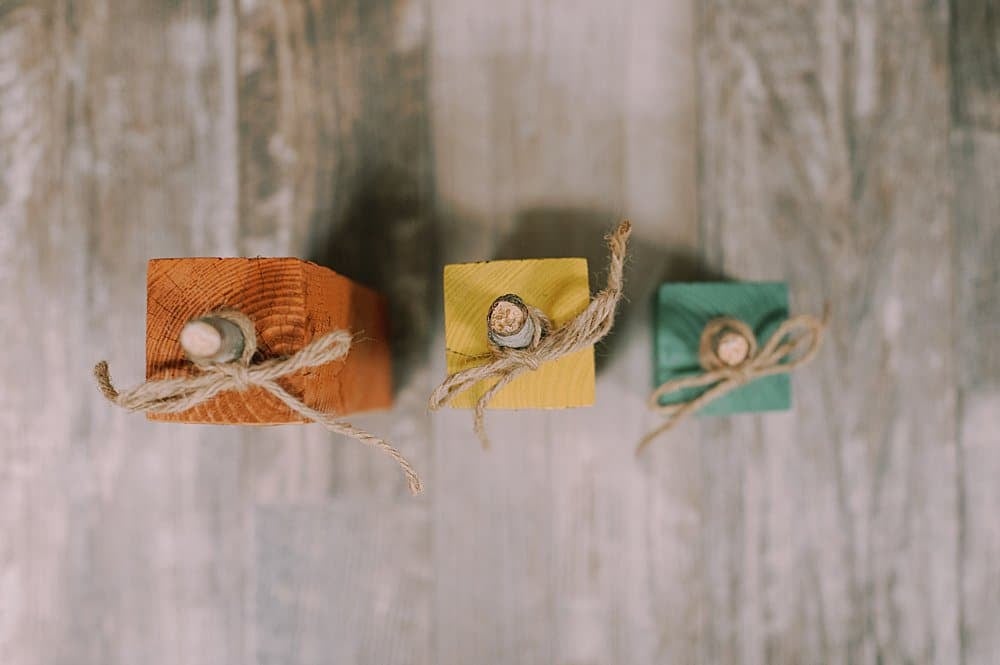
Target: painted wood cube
[
  {"x": 558, "y": 287},
  {"x": 683, "y": 310},
  {"x": 291, "y": 302}
]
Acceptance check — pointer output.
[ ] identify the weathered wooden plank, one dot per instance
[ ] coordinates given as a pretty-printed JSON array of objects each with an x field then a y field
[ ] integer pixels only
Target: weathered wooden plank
[
  {"x": 490, "y": 539},
  {"x": 152, "y": 112},
  {"x": 658, "y": 507},
  {"x": 831, "y": 534},
  {"x": 976, "y": 156},
  {"x": 118, "y": 142},
  {"x": 492, "y": 549},
  {"x": 975, "y": 63},
  {"x": 334, "y": 167},
  {"x": 550, "y": 120},
  {"x": 976, "y": 159},
  {"x": 367, "y": 553},
  {"x": 31, "y": 444},
  {"x": 980, "y": 537}
]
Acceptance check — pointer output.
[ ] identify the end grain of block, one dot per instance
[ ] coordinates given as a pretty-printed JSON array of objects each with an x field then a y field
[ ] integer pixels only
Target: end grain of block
[{"x": 291, "y": 302}]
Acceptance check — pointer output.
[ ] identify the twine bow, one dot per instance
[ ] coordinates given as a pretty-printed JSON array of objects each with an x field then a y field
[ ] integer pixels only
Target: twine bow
[
  {"x": 506, "y": 364},
  {"x": 180, "y": 394},
  {"x": 793, "y": 344}
]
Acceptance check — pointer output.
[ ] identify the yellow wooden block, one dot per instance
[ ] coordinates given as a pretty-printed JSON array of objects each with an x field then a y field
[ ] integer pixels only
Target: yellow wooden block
[{"x": 558, "y": 287}]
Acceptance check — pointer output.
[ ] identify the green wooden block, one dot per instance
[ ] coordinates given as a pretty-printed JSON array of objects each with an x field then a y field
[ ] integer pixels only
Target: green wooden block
[{"x": 683, "y": 309}]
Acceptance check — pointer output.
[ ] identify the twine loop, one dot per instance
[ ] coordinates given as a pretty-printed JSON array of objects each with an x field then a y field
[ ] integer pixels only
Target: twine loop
[
  {"x": 182, "y": 393},
  {"x": 708, "y": 345},
  {"x": 505, "y": 364},
  {"x": 795, "y": 343},
  {"x": 238, "y": 374},
  {"x": 527, "y": 357}
]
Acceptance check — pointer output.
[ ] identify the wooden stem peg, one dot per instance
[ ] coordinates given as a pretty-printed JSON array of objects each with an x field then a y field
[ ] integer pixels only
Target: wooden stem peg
[
  {"x": 732, "y": 348},
  {"x": 211, "y": 339},
  {"x": 198, "y": 310},
  {"x": 508, "y": 323}
]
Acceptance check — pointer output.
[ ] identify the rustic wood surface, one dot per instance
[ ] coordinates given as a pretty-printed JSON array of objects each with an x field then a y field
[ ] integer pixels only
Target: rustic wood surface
[{"x": 851, "y": 149}]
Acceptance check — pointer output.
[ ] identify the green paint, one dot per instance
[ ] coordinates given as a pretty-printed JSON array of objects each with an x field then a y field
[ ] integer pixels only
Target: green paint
[{"x": 682, "y": 310}]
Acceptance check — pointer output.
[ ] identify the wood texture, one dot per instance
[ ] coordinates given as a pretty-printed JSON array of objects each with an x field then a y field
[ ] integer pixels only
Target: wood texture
[
  {"x": 291, "y": 302},
  {"x": 309, "y": 556},
  {"x": 834, "y": 532},
  {"x": 334, "y": 165},
  {"x": 123, "y": 541},
  {"x": 558, "y": 287},
  {"x": 975, "y": 63},
  {"x": 847, "y": 148},
  {"x": 550, "y": 121},
  {"x": 975, "y": 157}
]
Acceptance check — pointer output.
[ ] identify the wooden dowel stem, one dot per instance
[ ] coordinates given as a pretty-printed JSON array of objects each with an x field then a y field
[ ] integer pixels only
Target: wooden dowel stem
[
  {"x": 211, "y": 339},
  {"x": 732, "y": 348},
  {"x": 508, "y": 323}
]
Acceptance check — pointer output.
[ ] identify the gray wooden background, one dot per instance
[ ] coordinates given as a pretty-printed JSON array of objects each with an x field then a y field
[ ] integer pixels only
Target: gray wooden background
[{"x": 851, "y": 147}]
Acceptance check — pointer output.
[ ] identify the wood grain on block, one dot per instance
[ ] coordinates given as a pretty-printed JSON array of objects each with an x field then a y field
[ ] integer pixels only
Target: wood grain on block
[
  {"x": 682, "y": 312},
  {"x": 291, "y": 302},
  {"x": 558, "y": 287}
]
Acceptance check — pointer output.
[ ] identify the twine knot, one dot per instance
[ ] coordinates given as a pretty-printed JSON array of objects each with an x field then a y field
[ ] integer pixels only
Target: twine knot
[
  {"x": 729, "y": 357},
  {"x": 239, "y": 375},
  {"x": 505, "y": 364},
  {"x": 526, "y": 357},
  {"x": 531, "y": 361},
  {"x": 180, "y": 394}
]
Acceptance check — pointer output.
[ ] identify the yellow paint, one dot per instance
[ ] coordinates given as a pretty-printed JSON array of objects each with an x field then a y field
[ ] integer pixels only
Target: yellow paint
[{"x": 559, "y": 288}]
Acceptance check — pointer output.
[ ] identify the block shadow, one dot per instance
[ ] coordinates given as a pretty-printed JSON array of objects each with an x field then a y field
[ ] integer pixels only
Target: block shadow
[
  {"x": 556, "y": 232},
  {"x": 388, "y": 239}
]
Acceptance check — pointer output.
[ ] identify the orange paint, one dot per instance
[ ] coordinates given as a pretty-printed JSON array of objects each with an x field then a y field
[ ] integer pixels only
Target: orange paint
[{"x": 291, "y": 302}]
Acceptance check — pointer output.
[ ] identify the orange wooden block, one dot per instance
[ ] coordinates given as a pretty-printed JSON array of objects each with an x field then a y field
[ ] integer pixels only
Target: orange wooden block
[{"x": 291, "y": 302}]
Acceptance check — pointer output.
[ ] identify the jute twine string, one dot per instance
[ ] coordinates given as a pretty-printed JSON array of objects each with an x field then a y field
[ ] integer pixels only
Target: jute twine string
[
  {"x": 793, "y": 344},
  {"x": 506, "y": 364},
  {"x": 180, "y": 394}
]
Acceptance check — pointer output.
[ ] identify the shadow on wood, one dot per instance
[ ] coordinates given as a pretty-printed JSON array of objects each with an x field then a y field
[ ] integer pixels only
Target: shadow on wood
[
  {"x": 571, "y": 232},
  {"x": 388, "y": 240}
]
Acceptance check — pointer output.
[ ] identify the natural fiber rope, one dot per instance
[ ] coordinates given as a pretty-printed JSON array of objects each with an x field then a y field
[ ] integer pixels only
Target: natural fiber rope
[
  {"x": 181, "y": 394},
  {"x": 506, "y": 364},
  {"x": 793, "y": 344}
]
